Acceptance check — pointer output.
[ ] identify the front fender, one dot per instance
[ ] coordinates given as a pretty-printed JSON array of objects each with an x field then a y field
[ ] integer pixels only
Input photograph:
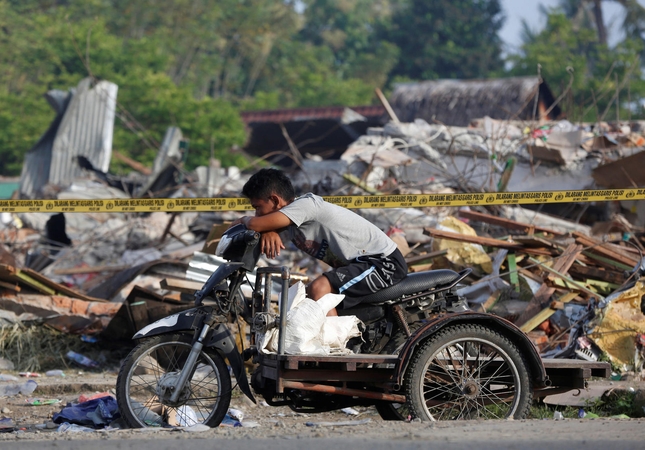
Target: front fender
[
  {"x": 222, "y": 339},
  {"x": 502, "y": 326},
  {"x": 190, "y": 319}
]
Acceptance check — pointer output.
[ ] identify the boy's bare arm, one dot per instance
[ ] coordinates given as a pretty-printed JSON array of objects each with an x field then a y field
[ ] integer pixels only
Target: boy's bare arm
[{"x": 269, "y": 222}]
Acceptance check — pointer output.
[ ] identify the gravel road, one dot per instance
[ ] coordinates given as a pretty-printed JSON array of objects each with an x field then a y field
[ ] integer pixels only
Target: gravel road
[{"x": 273, "y": 428}]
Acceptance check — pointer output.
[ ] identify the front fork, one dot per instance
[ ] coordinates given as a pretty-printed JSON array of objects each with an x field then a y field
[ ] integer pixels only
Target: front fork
[
  {"x": 222, "y": 340},
  {"x": 189, "y": 367}
]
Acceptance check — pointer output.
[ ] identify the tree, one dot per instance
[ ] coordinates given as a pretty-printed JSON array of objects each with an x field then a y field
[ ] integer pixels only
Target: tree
[
  {"x": 575, "y": 64},
  {"x": 348, "y": 28},
  {"x": 446, "y": 38},
  {"x": 42, "y": 50}
]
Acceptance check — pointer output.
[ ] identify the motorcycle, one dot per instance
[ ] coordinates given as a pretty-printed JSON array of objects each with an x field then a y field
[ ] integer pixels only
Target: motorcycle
[{"x": 421, "y": 354}]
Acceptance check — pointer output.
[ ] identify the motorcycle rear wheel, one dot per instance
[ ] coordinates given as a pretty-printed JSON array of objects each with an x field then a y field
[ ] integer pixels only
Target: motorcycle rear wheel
[
  {"x": 143, "y": 393},
  {"x": 468, "y": 372}
]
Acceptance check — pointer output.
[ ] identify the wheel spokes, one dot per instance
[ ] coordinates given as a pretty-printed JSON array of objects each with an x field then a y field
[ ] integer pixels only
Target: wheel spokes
[
  {"x": 469, "y": 379},
  {"x": 201, "y": 393}
]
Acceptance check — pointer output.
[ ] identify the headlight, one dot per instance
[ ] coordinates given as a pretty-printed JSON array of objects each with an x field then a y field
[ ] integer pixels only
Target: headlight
[{"x": 222, "y": 245}]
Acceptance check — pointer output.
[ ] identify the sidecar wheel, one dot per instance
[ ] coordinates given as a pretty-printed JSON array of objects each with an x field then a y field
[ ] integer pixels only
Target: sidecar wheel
[
  {"x": 468, "y": 372},
  {"x": 143, "y": 393}
]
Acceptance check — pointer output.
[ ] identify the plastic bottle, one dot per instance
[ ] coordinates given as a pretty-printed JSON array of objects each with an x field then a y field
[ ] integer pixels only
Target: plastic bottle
[
  {"x": 82, "y": 360},
  {"x": 28, "y": 387},
  {"x": 9, "y": 389},
  {"x": 13, "y": 389},
  {"x": 5, "y": 377},
  {"x": 55, "y": 373}
]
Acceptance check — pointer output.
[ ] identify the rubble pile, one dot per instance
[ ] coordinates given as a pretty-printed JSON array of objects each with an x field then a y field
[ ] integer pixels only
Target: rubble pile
[{"x": 559, "y": 271}]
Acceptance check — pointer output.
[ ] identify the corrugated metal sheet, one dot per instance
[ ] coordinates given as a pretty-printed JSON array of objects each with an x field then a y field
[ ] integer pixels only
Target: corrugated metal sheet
[
  {"x": 169, "y": 151},
  {"x": 86, "y": 129},
  {"x": 35, "y": 168},
  {"x": 296, "y": 114},
  {"x": 84, "y": 126}
]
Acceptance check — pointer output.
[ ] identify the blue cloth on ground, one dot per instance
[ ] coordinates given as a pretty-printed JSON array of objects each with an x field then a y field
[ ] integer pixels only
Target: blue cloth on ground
[{"x": 96, "y": 413}]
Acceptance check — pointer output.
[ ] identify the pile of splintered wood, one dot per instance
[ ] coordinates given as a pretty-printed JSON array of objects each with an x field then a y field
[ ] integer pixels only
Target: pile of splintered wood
[{"x": 567, "y": 267}]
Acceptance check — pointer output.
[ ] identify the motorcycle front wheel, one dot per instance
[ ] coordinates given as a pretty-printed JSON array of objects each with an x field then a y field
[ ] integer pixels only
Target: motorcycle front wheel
[
  {"x": 468, "y": 372},
  {"x": 148, "y": 376}
]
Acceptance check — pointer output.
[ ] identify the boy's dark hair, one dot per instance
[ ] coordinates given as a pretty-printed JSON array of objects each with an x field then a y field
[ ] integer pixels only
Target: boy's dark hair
[{"x": 265, "y": 182}]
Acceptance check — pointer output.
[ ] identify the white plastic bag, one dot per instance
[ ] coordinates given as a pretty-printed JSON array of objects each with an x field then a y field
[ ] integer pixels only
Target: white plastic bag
[
  {"x": 336, "y": 331},
  {"x": 309, "y": 330}
]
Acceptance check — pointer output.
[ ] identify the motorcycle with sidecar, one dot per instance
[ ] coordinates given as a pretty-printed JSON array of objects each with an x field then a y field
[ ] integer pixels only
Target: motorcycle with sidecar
[{"x": 421, "y": 354}]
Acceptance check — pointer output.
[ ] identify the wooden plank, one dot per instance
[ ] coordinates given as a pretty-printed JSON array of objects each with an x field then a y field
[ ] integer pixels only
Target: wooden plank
[
  {"x": 607, "y": 262},
  {"x": 506, "y": 223},
  {"x": 424, "y": 257},
  {"x": 419, "y": 267},
  {"x": 547, "y": 312},
  {"x": 491, "y": 301},
  {"x": 534, "y": 241},
  {"x": 41, "y": 283},
  {"x": 573, "y": 283},
  {"x": 185, "y": 286},
  {"x": 604, "y": 249},
  {"x": 543, "y": 295},
  {"x": 10, "y": 286},
  {"x": 599, "y": 274},
  {"x": 490, "y": 242},
  {"x": 621, "y": 173},
  {"x": 132, "y": 163}
]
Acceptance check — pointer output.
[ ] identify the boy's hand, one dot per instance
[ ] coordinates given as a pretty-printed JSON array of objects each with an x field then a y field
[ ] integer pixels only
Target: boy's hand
[{"x": 271, "y": 244}]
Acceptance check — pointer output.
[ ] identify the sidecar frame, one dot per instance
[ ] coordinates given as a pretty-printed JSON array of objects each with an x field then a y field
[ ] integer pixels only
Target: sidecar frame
[{"x": 380, "y": 377}]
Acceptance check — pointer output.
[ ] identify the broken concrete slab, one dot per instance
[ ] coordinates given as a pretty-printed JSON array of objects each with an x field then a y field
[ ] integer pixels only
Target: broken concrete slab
[{"x": 66, "y": 314}]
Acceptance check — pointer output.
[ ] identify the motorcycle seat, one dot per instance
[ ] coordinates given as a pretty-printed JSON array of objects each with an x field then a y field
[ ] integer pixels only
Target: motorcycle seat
[{"x": 411, "y": 284}]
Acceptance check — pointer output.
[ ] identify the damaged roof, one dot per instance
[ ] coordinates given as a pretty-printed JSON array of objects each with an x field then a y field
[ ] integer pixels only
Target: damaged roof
[{"x": 457, "y": 102}]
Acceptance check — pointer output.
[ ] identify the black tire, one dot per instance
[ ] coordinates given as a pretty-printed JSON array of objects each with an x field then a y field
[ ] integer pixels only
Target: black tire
[
  {"x": 389, "y": 410},
  {"x": 392, "y": 411},
  {"x": 142, "y": 402},
  {"x": 468, "y": 372}
]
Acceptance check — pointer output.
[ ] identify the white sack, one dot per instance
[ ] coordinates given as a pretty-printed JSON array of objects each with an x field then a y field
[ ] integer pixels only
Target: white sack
[
  {"x": 309, "y": 330},
  {"x": 336, "y": 331}
]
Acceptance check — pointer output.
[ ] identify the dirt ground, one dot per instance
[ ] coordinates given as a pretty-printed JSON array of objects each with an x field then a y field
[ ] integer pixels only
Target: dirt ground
[
  {"x": 68, "y": 389},
  {"x": 260, "y": 421}
]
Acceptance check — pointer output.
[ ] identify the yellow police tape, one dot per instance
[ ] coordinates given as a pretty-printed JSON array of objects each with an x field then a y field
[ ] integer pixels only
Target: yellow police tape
[{"x": 114, "y": 205}]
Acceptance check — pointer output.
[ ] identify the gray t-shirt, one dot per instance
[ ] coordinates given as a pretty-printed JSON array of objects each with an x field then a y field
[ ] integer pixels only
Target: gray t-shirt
[{"x": 332, "y": 233}]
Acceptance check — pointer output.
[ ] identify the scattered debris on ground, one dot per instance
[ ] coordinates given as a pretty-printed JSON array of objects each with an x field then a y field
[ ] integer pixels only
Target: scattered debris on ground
[{"x": 561, "y": 272}]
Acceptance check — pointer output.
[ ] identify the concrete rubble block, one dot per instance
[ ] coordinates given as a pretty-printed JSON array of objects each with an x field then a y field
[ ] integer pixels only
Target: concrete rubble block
[
  {"x": 60, "y": 312},
  {"x": 561, "y": 148},
  {"x": 377, "y": 151}
]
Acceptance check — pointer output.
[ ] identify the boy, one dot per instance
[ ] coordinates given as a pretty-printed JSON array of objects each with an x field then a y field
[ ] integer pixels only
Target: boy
[{"x": 363, "y": 258}]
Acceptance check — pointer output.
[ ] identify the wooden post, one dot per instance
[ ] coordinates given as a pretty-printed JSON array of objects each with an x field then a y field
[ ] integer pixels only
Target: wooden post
[{"x": 387, "y": 106}]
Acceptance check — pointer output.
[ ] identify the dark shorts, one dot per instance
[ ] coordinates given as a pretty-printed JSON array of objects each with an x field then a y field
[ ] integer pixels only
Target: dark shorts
[{"x": 368, "y": 274}]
